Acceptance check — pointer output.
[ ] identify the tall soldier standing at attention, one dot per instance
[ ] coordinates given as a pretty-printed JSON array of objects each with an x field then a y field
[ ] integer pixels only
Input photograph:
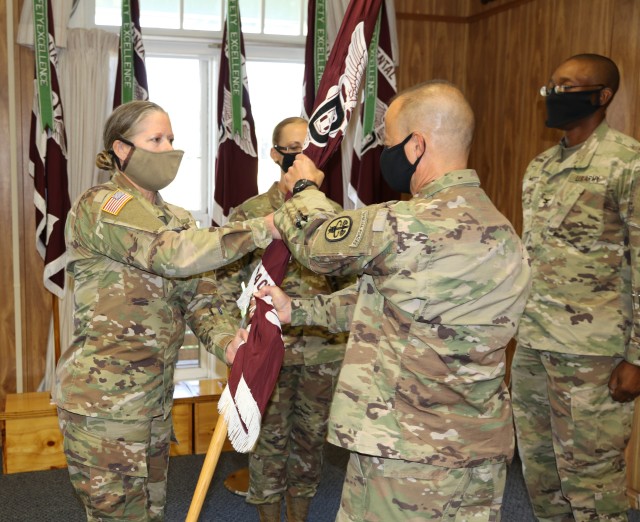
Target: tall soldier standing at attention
[
  {"x": 421, "y": 401},
  {"x": 576, "y": 369}
]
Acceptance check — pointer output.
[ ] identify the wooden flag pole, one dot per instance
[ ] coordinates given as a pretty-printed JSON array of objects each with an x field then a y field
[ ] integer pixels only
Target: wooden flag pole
[{"x": 208, "y": 468}]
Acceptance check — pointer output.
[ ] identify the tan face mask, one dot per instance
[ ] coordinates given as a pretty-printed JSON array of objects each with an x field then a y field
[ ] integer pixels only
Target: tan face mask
[{"x": 152, "y": 170}]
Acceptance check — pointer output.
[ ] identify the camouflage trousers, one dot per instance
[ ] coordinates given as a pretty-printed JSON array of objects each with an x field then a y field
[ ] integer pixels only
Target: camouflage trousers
[
  {"x": 571, "y": 435},
  {"x": 118, "y": 468},
  {"x": 289, "y": 453},
  {"x": 380, "y": 490}
]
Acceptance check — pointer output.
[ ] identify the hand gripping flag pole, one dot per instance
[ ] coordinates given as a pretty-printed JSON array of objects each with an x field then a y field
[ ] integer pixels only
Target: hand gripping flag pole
[{"x": 258, "y": 361}]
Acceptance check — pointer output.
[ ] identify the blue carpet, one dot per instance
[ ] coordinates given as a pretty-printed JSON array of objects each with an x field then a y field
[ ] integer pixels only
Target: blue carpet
[{"x": 47, "y": 496}]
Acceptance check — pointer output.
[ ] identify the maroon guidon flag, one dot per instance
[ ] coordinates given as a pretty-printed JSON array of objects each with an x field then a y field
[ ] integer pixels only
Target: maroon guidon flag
[
  {"x": 366, "y": 186},
  {"x": 316, "y": 54},
  {"x": 258, "y": 361},
  {"x": 48, "y": 152},
  {"x": 236, "y": 174},
  {"x": 131, "y": 77}
]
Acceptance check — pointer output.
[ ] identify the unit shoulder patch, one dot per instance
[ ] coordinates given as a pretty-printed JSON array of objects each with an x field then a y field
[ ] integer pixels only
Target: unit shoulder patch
[
  {"x": 338, "y": 229},
  {"x": 116, "y": 202}
]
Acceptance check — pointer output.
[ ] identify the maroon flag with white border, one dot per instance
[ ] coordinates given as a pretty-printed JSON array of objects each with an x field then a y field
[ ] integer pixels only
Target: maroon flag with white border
[
  {"x": 367, "y": 186},
  {"x": 236, "y": 174},
  {"x": 258, "y": 361},
  {"x": 48, "y": 153},
  {"x": 316, "y": 54}
]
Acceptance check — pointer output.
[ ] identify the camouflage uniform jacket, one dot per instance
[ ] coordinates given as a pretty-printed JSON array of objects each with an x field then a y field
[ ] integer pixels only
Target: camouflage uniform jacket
[
  {"x": 581, "y": 228},
  {"x": 308, "y": 345},
  {"x": 133, "y": 292},
  {"x": 443, "y": 281}
]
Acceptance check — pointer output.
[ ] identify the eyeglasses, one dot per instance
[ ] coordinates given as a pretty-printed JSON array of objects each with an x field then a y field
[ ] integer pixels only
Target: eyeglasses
[
  {"x": 546, "y": 90},
  {"x": 291, "y": 149}
]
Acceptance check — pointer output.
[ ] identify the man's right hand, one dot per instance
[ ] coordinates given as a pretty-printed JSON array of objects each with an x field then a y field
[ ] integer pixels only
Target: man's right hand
[
  {"x": 281, "y": 301},
  {"x": 303, "y": 168}
]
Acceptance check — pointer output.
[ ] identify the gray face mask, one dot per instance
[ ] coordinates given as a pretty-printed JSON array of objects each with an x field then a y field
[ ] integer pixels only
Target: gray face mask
[{"x": 151, "y": 170}]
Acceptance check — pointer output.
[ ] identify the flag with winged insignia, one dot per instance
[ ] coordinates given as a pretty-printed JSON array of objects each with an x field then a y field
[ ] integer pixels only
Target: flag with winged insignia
[
  {"x": 48, "y": 152},
  {"x": 236, "y": 174},
  {"x": 316, "y": 54},
  {"x": 131, "y": 76},
  {"x": 366, "y": 185},
  {"x": 258, "y": 361}
]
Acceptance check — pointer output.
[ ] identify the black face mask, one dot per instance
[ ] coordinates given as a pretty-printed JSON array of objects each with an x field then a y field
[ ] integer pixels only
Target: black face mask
[
  {"x": 287, "y": 160},
  {"x": 568, "y": 107},
  {"x": 396, "y": 169}
]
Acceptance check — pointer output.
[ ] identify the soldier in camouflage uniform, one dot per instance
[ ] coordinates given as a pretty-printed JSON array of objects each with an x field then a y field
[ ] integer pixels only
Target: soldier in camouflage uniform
[
  {"x": 287, "y": 459},
  {"x": 575, "y": 370},
  {"x": 134, "y": 258},
  {"x": 421, "y": 401}
]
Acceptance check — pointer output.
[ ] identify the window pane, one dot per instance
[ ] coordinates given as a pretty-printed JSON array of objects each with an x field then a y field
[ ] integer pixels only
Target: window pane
[
  {"x": 251, "y": 16},
  {"x": 282, "y": 16},
  {"x": 175, "y": 85},
  {"x": 189, "y": 355},
  {"x": 275, "y": 89},
  {"x": 160, "y": 13},
  {"x": 108, "y": 12},
  {"x": 203, "y": 15}
]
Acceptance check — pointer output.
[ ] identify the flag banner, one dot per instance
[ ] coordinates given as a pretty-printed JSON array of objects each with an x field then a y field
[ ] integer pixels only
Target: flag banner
[
  {"x": 257, "y": 364},
  {"x": 236, "y": 174},
  {"x": 316, "y": 52},
  {"x": 131, "y": 76},
  {"x": 366, "y": 185},
  {"x": 258, "y": 361},
  {"x": 48, "y": 153},
  {"x": 317, "y": 47}
]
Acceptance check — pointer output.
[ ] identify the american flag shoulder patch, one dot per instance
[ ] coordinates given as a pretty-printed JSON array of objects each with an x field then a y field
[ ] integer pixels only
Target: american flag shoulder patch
[{"x": 116, "y": 202}]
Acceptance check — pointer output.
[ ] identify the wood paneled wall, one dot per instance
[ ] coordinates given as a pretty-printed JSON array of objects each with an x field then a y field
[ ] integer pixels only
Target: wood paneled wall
[
  {"x": 35, "y": 301},
  {"x": 499, "y": 53},
  {"x": 7, "y": 330}
]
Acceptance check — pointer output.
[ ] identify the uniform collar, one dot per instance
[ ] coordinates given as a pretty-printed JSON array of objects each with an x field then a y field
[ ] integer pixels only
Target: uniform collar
[
  {"x": 450, "y": 179},
  {"x": 581, "y": 159},
  {"x": 160, "y": 208}
]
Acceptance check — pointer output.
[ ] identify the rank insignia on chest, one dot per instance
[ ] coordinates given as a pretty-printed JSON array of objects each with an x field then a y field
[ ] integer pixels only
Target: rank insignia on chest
[
  {"x": 338, "y": 229},
  {"x": 116, "y": 202}
]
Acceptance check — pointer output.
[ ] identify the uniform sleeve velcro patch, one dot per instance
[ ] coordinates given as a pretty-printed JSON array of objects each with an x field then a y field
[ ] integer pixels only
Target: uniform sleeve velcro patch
[
  {"x": 338, "y": 229},
  {"x": 116, "y": 202}
]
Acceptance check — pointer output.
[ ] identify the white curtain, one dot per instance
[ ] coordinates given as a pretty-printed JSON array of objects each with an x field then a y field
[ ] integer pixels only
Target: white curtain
[
  {"x": 61, "y": 11},
  {"x": 86, "y": 72}
]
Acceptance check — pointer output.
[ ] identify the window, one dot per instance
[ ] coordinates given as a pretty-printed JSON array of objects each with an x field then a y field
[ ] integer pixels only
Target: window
[
  {"x": 259, "y": 17},
  {"x": 182, "y": 41}
]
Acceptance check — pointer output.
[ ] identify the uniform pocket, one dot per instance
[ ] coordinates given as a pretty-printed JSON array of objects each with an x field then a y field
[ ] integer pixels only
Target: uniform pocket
[
  {"x": 601, "y": 425},
  {"x": 117, "y": 456},
  {"x": 578, "y": 216}
]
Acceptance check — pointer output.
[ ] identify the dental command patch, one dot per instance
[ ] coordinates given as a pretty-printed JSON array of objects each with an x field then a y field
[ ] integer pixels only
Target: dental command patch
[{"x": 338, "y": 229}]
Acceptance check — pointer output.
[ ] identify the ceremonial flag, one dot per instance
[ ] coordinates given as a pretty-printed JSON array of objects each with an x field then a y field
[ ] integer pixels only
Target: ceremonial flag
[
  {"x": 258, "y": 361},
  {"x": 48, "y": 152},
  {"x": 316, "y": 54},
  {"x": 366, "y": 185},
  {"x": 236, "y": 174},
  {"x": 131, "y": 77}
]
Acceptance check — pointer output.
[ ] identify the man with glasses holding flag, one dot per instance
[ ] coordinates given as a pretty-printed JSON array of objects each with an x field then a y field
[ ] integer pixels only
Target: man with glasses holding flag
[{"x": 576, "y": 369}]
